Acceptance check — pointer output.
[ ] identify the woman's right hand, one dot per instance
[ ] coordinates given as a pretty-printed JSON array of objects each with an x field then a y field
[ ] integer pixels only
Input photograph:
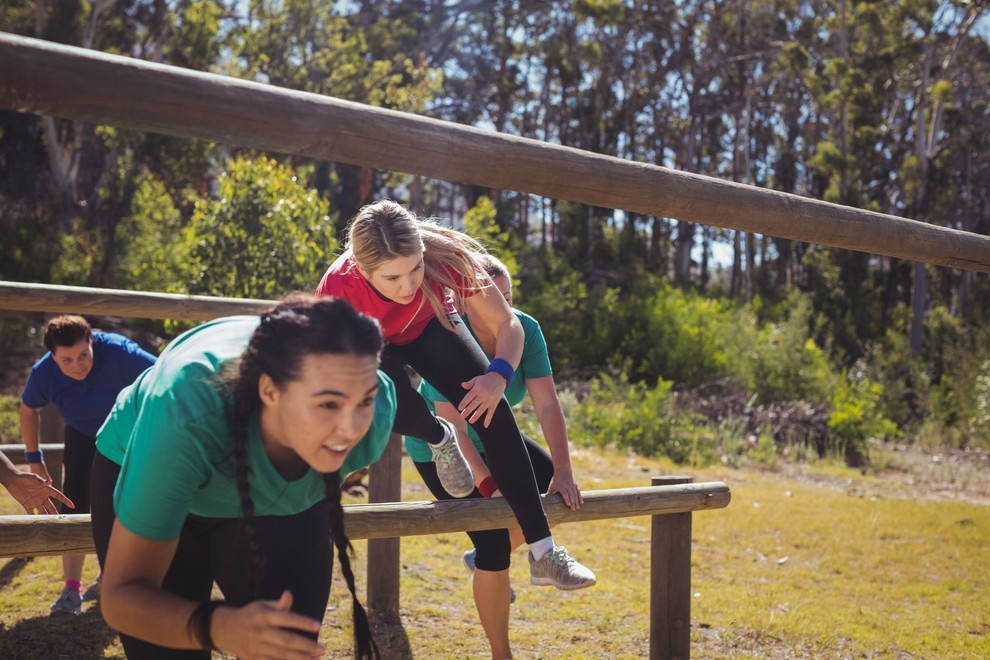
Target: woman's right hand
[
  {"x": 263, "y": 630},
  {"x": 41, "y": 470}
]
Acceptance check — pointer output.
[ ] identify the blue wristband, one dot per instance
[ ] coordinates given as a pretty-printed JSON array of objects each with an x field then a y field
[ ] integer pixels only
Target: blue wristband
[
  {"x": 502, "y": 368},
  {"x": 34, "y": 456}
]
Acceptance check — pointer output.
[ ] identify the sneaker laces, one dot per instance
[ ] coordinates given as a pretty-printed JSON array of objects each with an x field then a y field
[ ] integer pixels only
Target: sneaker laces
[
  {"x": 560, "y": 555},
  {"x": 444, "y": 452}
]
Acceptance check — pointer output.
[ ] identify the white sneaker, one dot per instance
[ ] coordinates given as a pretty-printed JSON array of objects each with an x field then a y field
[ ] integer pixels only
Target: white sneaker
[
  {"x": 452, "y": 468},
  {"x": 70, "y": 602},
  {"x": 559, "y": 569}
]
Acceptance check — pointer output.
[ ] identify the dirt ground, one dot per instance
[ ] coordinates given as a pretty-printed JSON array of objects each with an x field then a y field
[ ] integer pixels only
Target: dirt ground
[{"x": 911, "y": 472}]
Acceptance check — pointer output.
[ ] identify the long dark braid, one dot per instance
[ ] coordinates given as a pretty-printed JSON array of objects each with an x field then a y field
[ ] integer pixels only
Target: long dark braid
[
  {"x": 246, "y": 403},
  {"x": 302, "y": 325},
  {"x": 364, "y": 643}
]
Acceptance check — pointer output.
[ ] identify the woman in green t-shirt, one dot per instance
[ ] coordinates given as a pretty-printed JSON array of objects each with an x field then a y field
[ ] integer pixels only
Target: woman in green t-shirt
[
  {"x": 491, "y": 556},
  {"x": 222, "y": 463}
]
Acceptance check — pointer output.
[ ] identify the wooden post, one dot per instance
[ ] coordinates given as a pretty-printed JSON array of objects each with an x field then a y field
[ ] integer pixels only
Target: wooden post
[
  {"x": 670, "y": 581},
  {"x": 53, "y": 432},
  {"x": 385, "y": 485}
]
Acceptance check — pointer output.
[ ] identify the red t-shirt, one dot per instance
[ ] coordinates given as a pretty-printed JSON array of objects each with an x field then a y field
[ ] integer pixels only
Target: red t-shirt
[{"x": 400, "y": 323}]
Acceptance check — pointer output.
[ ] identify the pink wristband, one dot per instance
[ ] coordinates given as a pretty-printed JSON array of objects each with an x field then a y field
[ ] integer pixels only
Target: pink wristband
[{"x": 487, "y": 487}]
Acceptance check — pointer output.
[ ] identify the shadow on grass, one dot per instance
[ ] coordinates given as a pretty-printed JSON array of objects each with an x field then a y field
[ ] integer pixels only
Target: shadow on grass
[
  {"x": 390, "y": 636},
  {"x": 11, "y": 570},
  {"x": 81, "y": 637}
]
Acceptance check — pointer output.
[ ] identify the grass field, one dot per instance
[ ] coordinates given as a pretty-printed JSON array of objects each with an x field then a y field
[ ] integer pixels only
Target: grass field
[{"x": 807, "y": 561}]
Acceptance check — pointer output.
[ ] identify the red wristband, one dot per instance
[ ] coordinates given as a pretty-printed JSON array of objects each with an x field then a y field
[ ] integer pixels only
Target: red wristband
[{"x": 487, "y": 487}]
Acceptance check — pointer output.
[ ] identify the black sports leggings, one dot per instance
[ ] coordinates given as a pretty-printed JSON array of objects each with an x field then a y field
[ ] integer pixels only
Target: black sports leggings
[
  {"x": 447, "y": 359},
  {"x": 296, "y": 550},
  {"x": 493, "y": 546},
  {"x": 77, "y": 457}
]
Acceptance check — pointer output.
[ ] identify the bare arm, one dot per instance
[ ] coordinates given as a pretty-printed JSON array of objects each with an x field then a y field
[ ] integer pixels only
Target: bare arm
[
  {"x": 489, "y": 309},
  {"x": 543, "y": 391},
  {"x": 134, "y": 603},
  {"x": 31, "y": 437}
]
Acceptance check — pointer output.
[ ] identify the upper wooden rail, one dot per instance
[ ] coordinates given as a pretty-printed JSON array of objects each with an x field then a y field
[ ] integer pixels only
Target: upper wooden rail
[
  {"x": 63, "y": 81},
  {"x": 29, "y": 536},
  {"x": 25, "y": 297}
]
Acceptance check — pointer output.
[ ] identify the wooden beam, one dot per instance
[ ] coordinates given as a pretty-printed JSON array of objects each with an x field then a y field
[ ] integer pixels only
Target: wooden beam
[
  {"x": 30, "y": 536},
  {"x": 26, "y": 297},
  {"x": 63, "y": 81}
]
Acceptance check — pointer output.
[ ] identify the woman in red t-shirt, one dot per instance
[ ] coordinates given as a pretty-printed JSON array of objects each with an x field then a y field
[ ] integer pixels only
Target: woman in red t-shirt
[{"x": 404, "y": 271}]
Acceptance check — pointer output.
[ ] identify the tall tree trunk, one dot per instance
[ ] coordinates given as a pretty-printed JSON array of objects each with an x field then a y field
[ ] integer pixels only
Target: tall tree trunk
[
  {"x": 919, "y": 289},
  {"x": 682, "y": 255}
]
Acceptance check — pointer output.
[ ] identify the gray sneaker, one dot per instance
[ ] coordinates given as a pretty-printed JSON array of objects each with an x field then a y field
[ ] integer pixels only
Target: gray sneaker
[
  {"x": 70, "y": 602},
  {"x": 452, "y": 468},
  {"x": 468, "y": 560},
  {"x": 559, "y": 569},
  {"x": 93, "y": 592}
]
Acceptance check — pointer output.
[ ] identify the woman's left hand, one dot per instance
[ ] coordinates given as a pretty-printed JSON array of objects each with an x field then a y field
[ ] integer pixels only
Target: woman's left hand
[
  {"x": 565, "y": 485},
  {"x": 484, "y": 394}
]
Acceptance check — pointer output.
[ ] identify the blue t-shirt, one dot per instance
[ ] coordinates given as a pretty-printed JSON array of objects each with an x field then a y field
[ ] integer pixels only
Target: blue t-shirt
[
  {"x": 171, "y": 433},
  {"x": 84, "y": 404},
  {"x": 535, "y": 363}
]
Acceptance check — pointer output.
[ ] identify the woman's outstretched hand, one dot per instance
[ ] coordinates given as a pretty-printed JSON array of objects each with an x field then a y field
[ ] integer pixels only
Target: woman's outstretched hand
[
  {"x": 263, "y": 630},
  {"x": 484, "y": 394},
  {"x": 35, "y": 493}
]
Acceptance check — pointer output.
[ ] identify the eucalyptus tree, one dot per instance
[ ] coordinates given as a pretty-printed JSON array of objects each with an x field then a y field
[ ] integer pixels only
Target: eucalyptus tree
[
  {"x": 366, "y": 52},
  {"x": 87, "y": 184},
  {"x": 943, "y": 30}
]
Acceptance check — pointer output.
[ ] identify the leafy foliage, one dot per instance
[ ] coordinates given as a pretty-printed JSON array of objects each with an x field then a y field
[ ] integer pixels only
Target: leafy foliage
[
  {"x": 10, "y": 419},
  {"x": 785, "y": 364},
  {"x": 856, "y": 418},
  {"x": 632, "y": 416},
  {"x": 262, "y": 235}
]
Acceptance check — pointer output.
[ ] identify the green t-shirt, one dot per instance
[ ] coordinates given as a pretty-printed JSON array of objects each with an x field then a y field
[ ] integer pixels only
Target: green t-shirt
[
  {"x": 170, "y": 432},
  {"x": 535, "y": 363}
]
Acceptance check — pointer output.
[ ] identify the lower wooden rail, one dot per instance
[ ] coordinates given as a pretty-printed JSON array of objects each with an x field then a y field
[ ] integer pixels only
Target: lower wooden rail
[{"x": 670, "y": 503}]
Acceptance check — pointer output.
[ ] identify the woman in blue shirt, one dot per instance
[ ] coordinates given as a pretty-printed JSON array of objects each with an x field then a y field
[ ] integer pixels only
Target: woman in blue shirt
[{"x": 81, "y": 374}]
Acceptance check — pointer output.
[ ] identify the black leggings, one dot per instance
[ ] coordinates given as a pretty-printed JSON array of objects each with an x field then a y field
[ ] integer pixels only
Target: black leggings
[
  {"x": 77, "y": 457},
  {"x": 493, "y": 546},
  {"x": 447, "y": 359},
  {"x": 296, "y": 550}
]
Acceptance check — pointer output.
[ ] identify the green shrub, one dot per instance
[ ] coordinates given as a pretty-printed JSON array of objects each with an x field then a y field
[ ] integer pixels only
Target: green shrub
[
  {"x": 147, "y": 240},
  {"x": 856, "y": 418},
  {"x": 581, "y": 323},
  {"x": 263, "y": 235},
  {"x": 979, "y": 418},
  {"x": 634, "y": 416},
  {"x": 10, "y": 419},
  {"x": 676, "y": 335},
  {"x": 785, "y": 364}
]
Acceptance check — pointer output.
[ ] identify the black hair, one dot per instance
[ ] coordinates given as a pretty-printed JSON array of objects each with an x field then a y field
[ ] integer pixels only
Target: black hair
[{"x": 302, "y": 325}]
